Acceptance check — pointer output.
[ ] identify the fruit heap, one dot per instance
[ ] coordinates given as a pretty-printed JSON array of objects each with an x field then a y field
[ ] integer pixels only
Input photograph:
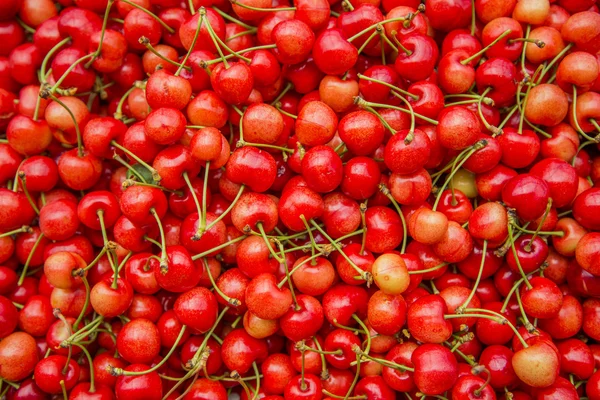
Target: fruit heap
[{"x": 355, "y": 199}]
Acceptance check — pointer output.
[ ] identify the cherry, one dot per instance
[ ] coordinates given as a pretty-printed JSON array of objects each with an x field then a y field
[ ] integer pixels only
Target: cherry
[
  {"x": 322, "y": 169},
  {"x": 536, "y": 365},
  {"x": 457, "y": 128},
  {"x": 111, "y": 296},
  {"x": 8, "y": 316},
  {"x": 426, "y": 320},
  {"x": 303, "y": 321},
  {"x": 164, "y": 89},
  {"x": 197, "y": 308},
  {"x": 240, "y": 350},
  {"x": 332, "y": 53},
  {"x": 584, "y": 208},
  {"x": 253, "y": 167},
  {"x": 386, "y": 313},
  {"x": 144, "y": 386},
  {"x": 51, "y": 371},
  {"x": 435, "y": 369},
  {"x": 316, "y": 124}
]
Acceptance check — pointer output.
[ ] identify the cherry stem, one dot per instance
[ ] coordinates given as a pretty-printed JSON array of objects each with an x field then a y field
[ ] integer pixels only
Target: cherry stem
[
  {"x": 522, "y": 106},
  {"x": 366, "y": 331},
  {"x": 537, "y": 231},
  {"x": 379, "y": 29},
  {"x": 206, "y": 64},
  {"x": 192, "y": 46},
  {"x": 301, "y": 346},
  {"x": 399, "y": 44},
  {"x": 363, "y": 221},
  {"x": 374, "y": 26},
  {"x": 232, "y": 19},
  {"x": 48, "y": 57},
  {"x": 289, "y": 86},
  {"x": 516, "y": 256},
  {"x": 356, "y": 376},
  {"x": 526, "y": 322},
  {"x": 202, "y": 225},
  {"x": 428, "y": 270},
  {"x": 264, "y": 145},
  {"x": 120, "y": 372},
  {"x": 324, "y": 371},
  {"x": 362, "y": 103},
  {"x": 303, "y": 386},
  {"x": 186, "y": 178},
  {"x": 91, "y": 365},
  {"x": 109, "y": 247},
  {"x": 257, "y": 375},
  {"x": 278, "y": 107},
  {"x": 230, "y": 300},
  {"x": 228, "y": 210},
  {"x": 199, "y": 357},
  {"x": 365, "y": 275},
  {"x": 494, "y": 130},
  {"x": 23, "y": 229},
  {"x": 313, "y": 244},
  {"x": 335, "y": 396},
  {"x": 465, "y": 357},
  {"x": 155, "y": 175},
  {"x": 537, "y": 42},
  {"x": 222, "y": 246},
  {"x": 94, "y": 261},
  {"x": 63, "y": 387},
  {"x": 460, "y": 309},
  {"x": 160, "y": 21},
  {"x": 164, "y": 262},
  {"x": 146, "y": 43},
  {"x": 119, "y": 111},
  {"x": 386, "y": 363},
  {"x": 474, "y": 148},
  {"x": 508, "y": 116},
  {"x": 411, "y": 133},
  {"x": 288, "y": 276},
  {"x": 212, "y": 35},
  {"x": 22, "y": 178},
  {"x": 237, "y": 3},
  {"x": 76, "y": 125},
  {"x": 86, "y": 302},
  {"x": 576, "y": 120},
  {"x": 554, "y": 60},
  {"x": 274, "y": 254},
  {"x": 486, "y": 48},
  {"x": 386, "y": 192},
  {"x": 543, "y": 233},
  {"x": 240, "y": 34},
  {"x": 478, "y": 391},
  {"x": 366, "y": 43},
  {"x": 29, "y": 257},
  {"x": 473, "y": 18},
  {"x": 102, "y": 31},
  {"x": 381, "y": 119},
  {"x": 503, "y": 319}
]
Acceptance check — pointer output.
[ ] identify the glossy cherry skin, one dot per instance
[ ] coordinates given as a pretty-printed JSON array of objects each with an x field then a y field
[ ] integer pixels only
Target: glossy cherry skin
[
  {"x": 332, "y": 53},
  {"x": 426, "y": 320},
  {"x": 240, "y": 350},
  {"x": 436, "y": 369},
  {"x": 585, "y": 207},
  {"x": 49, "y": 372},
  {"x": 146, "y": 386},
  {"x": 342, "y": 301}
]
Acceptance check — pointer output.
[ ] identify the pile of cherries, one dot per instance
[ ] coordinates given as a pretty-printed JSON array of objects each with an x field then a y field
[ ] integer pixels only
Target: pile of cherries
[{"x": 330, "y": 199}]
